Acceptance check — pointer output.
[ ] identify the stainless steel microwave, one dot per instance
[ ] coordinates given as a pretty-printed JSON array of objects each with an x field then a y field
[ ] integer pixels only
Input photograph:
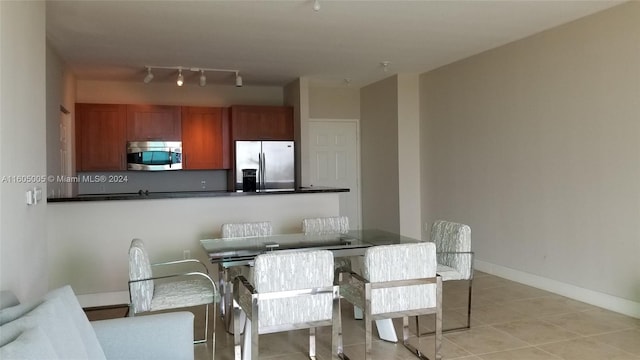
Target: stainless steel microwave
[{"x": 154, "y": 155}]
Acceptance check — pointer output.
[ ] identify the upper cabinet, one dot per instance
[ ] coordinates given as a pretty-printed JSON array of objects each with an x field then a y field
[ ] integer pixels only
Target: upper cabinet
[
  {"x": 153, "y": 122},
  {"x": 205, "y": 138},
  {"x": 100, "y": 137},
  {"x": 262, "y": 122}
]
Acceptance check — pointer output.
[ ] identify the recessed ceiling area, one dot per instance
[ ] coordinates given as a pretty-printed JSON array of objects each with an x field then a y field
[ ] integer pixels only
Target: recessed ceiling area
[{"x": 275, "y": 42}]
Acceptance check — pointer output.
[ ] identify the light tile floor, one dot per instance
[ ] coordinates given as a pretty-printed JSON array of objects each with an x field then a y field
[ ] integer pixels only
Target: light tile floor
[{"x": 509, "y": 321}]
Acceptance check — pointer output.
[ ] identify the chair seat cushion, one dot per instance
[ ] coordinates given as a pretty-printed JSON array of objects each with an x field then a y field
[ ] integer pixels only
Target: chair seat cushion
[
  {"x": 449, "y": 273},
  {"x": 277, "y": 312},
  {"x": 181, "y": 294}
]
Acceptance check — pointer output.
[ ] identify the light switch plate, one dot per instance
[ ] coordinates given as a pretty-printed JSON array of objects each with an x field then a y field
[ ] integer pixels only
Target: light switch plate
[{"x": 37, "y": 194}]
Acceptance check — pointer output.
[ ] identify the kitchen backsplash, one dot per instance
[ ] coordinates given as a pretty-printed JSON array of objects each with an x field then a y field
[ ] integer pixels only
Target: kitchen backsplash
[{"x": 159, "y": 181}]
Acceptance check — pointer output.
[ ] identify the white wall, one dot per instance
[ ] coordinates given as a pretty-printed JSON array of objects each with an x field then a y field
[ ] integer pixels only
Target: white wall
[
  {"x": 379, "y": 155},
  {"x": 158, "y": 93},
  {"x": 89, "y": 241},
  {"x": 536, "y": 145},
  {"x": 334, "y": 103},
  {"x": 409, "y": 182},
  {"x": 23, "y": 245}
]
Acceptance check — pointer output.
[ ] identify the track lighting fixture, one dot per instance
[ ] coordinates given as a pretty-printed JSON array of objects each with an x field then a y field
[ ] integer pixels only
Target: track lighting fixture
[
  {"x": 385, "y": 65},
  {"x": 316, "y": 5},
  {"x": 180, "y": 78},
  {"x": 202, "y": 79},
  {"x": 149, "y": 77}
]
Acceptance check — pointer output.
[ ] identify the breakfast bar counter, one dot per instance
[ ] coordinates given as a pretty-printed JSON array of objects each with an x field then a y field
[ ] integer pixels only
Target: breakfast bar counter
[{"x": 194, "y": 194}]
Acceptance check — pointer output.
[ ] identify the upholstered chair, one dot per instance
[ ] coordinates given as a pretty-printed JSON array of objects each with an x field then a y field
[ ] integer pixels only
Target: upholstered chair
[
  {"x": 455, "y": 258},
  {"x": 397, "y": 281},
  {"x": 290, "y": 291},
  {"x": 340, "y": 225},
  {"x": 171, "y": 290},
  {"x": 326, "y": 225},
  {"x": 226, "y": 274}
]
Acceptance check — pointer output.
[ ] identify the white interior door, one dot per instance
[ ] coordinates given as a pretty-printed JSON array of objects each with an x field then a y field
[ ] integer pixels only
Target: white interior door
[{"x": 335, "y": 161}]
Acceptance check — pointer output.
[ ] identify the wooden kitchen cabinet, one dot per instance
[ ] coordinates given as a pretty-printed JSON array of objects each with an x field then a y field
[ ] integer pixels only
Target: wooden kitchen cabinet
[
  {"x": 205, "y": 138},
  {"x": 262, "y": 122},
  {"x": 153, "y": 122},
  {"x": 100, "y": 137}
]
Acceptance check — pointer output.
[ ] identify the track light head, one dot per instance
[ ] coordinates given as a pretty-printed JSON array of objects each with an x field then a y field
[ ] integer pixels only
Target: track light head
[
  {"x": 180, "y": 81},
  {"x": 316, "y": 5},
  {"x": 238, "y": 80},
  {"x": 203, "y": 79},
  {"x": 149, "y": 77}
]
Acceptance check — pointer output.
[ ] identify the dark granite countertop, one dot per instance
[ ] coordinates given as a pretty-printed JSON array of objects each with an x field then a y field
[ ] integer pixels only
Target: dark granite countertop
[{"x": 194, "y": 194}]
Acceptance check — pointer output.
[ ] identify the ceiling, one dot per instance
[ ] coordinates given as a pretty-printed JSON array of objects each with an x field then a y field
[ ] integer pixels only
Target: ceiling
[{"x": 273, "y": 43}]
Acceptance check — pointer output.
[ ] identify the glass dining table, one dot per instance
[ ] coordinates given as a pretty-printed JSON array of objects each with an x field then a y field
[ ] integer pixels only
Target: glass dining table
[
  {"x": 231, "y": 252},
  {"x": 242, "y": 251}
]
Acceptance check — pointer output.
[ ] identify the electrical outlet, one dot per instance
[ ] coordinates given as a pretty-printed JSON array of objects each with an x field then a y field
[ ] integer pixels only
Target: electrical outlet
[{"x": 186, "y": 254}]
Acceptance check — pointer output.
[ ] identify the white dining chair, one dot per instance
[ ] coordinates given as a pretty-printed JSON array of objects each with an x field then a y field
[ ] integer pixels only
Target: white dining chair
[
  {"x": 340, "y": 225},
  {"x": 455, "y": 258},
  {"x": 170, "y": 290},
  {"x": 398, "y": 280},
  {"x": 290, "y": 291},
  {"x": 326, "y": 225},
  {"x": 227, "y": 274}
]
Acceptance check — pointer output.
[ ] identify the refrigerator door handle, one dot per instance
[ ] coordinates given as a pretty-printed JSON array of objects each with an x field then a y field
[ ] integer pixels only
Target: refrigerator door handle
[
  {"x": 264, "y": 167},
  {"x": 259, "y": 177}
]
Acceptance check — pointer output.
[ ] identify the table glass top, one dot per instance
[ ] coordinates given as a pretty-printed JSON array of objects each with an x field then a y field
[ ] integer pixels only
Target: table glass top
[{"x": 356, "y": 241}]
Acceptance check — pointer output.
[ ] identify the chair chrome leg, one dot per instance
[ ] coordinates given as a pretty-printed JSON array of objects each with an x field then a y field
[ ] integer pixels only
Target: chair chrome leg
[
  {"x": 367, "y": 334},
  {"x": 469, "y": 305},
  {"x": 237, "y": 339},
  {"x": 312, "y": 343},
  {"x": 206, "y": 326},
  {"x": 464, "y": 327},
  {"x": 438, "y": 355},
  {"x": 405, "y": 340},
  {"x": 336, "y": 340},
  {"x": 255, "y": 343},
  {"x": 213, "y": 333},
  {"x": 222, "y": 276}
]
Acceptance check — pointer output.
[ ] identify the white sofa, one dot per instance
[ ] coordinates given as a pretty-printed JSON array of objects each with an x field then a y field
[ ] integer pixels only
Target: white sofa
[{"x": 56, "y": 327}]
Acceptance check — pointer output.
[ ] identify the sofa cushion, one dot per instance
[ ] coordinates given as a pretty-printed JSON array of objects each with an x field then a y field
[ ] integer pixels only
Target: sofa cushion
[
  {"x": 55, "y": 322},
  {"x": 80, "y": 321},
  {"x": 8, "y": 298},
  {"x": 31, "y": 344},
  {"x": 11, "y": 313}
]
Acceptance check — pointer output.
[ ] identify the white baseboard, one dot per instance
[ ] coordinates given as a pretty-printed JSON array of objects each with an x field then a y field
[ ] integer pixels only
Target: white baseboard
[
  {"x": 104, "y": 299},
  {"x": 609, "y": 302}
]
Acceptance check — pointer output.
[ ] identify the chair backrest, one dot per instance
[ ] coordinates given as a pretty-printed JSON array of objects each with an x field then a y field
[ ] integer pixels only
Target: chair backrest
[
  {"x": 326, "y": 225},
  {"x": 140, "y": 268},
  {"x": 451, "y": 237},
  {"x": 262, "y": 228},
  {"x": 282, "y": 271},
  {"x": 401, "y": 262}
]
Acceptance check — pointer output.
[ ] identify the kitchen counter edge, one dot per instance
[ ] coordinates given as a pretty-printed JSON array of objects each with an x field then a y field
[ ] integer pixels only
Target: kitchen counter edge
[{"x": 193, "y": 194}]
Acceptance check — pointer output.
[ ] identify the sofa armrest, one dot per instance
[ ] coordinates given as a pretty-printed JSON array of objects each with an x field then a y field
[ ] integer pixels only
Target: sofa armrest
[{"x": 159, "y": 336}]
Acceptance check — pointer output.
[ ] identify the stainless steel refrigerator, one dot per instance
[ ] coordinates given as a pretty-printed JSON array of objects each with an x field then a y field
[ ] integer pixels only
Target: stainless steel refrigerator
[{"x": 272, "y": 160}]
